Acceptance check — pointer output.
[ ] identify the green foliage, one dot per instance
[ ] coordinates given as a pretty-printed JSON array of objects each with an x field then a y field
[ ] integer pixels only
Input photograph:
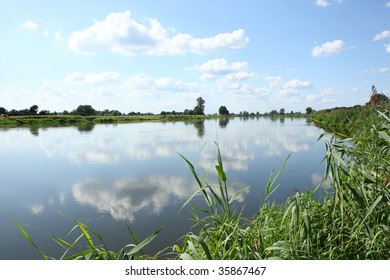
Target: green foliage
[
  {"x": 309, "y": 110},
  {"x": 85, "y": 110},
  {"x": 199, "y": 108},
  {"x": 89, "y": 245},
  {"x": 349, "y": 221},
  {"x": 223, "y": 110}
]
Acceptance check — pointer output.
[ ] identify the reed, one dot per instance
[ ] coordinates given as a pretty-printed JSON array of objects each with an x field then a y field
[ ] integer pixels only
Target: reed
[{"x": 349, "y": 221}]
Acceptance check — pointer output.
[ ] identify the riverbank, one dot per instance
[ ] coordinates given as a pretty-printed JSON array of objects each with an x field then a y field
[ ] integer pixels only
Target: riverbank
[
  {"x": 74, "y": 120},
  {"x": 347, "y": 121}
]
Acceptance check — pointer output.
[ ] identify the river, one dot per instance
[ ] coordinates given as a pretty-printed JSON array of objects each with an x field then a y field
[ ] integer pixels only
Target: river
[{"x": 108, "y": 175}]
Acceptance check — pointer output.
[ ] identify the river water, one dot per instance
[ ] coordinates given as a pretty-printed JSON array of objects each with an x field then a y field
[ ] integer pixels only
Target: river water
[{"x": 107, "y": 176}]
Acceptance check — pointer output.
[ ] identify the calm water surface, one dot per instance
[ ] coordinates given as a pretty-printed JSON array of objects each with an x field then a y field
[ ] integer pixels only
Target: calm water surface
[{"x": 107, "y": 175}]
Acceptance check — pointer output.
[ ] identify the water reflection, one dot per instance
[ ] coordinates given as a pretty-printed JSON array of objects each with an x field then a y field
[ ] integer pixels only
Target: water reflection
[
  {"x": 223, "y": 122},
  {"x": 126, "y": 197},
  {"x": 199, "y": 126},
  {"x": 34, "y": 131},
  {"x": 86, "y": 128},
  {"x": 133, "y": 171}
]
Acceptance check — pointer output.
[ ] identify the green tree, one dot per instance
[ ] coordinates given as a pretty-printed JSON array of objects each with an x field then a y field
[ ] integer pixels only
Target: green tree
[
  {"x": 282, "y": 111},
  {"x": 223, "y": 110},
  {"x": 309, "y": 110},
  {"x": 85, "y": 110},
  {"x": 33, "y": 110},
  {"x": 3, "y": 111},
  {"x": 199, "y": 108}
]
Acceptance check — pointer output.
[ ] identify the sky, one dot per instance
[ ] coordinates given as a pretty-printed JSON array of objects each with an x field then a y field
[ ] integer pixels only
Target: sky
[{"x": 153, "y": 56}]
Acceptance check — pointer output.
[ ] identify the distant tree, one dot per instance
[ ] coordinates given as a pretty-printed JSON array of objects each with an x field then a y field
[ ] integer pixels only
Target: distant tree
[
  {"x": 223, "y": 110},
  {"x": 44, "y": 112},
  {"x": 188, "y": 112},
  {"x": 282, "y": 111},
  {"x": 33, "y": 110},
  {"x": 273, "y": 112},
  {"x": 85, "y": 110},
  {"x": 199, "y": 108},
  {"x": 115, "y": 113},
  {"x": 3, "y": 111},
  {"x": 309, "y": 110}
]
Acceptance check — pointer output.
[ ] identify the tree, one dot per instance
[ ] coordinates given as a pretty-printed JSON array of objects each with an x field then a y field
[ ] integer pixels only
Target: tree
[
  {"x": 309, "y": 110},
  {"x": 223, "y": 110},
  {"x": 85, "y": 110},
  {"x": 3, "y": 111},
  {"x": 281, "y": 112},
  {"x": 199, "y": 108},
  {"x": 33, "y": 110}
]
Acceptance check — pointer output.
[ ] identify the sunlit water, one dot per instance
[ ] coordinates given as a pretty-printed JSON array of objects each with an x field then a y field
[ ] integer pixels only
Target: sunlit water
[{"x": 107, "y": 175}]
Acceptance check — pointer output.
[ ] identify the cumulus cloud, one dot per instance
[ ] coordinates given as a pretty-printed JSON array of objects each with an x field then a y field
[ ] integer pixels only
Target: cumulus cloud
[
  {"x": 221, "y": 68},
  {"x": 144, "y": 82},
  {"x": 92, "y": 78},
  {"x": 328, "y": 48},
  {"x": 387, "y": 4},
  {"x": 383, "y": 35},
  {"x": 326, "y": 3},
  {"x": 120, "y": 33},
  {"x": 387, "y": 47},
  {"x": 31, "y": 25},
  {"x": 378, "y": 70},
  {"x": 296, "y": 84}
]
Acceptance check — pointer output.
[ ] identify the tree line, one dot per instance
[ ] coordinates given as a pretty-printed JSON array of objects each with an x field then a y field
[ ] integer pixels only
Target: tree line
[{"x": 88, "y": 110}]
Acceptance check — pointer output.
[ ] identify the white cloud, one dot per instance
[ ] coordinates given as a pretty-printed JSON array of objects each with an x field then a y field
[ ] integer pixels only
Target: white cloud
[
  {"x": 378, "y": 70},
  {"x": 383, "y": 35},
  {"x": 120, "y": 33},
  {"x": 326, "y": 3},
  {"x": 222, "y": 67},
  {"x": 240, "y": 76},
  {"x": 328, "y": 48},
  {"x": 31, "y": 25},
  {"x": 144, "y": 82},
  {"x": 58, "y": 37},
  {"x": 93, "y": 78},
  {"x": 217, "y": 68},
  {"x": 325, "y": 96},
  {"x": 387, "y": 47},
  {"x": 322, "y": 3},
  {"x": 387, "y": 4},
  {"x": 296, "y": 84}
]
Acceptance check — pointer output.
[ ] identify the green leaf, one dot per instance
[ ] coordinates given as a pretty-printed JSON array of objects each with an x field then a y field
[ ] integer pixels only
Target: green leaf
[{"x": 145, "y": 242}]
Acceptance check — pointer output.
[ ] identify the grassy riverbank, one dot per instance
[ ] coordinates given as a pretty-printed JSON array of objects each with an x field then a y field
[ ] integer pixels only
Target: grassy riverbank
[
  {"x": 347, "y": 120},
  {"x": 74, "y": 120},
  {"x": 351, "y": 220}
]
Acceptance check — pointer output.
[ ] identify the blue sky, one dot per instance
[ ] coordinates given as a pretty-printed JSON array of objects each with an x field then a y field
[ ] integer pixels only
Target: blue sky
[{"x": 153, "y": 56}]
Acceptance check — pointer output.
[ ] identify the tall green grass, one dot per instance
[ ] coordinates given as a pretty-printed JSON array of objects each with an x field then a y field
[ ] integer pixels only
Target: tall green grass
[
  {"x": 85, "y": 243},
  {"x": 351, "y": 220}
]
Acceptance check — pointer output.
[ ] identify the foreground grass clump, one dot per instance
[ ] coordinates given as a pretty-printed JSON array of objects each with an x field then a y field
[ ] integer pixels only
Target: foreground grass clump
[{"x": 351, "y": 220}]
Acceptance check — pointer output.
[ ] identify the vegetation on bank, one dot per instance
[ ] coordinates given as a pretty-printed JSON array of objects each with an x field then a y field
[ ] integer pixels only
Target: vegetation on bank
[
  {"x": 349, "y": 121},
  {"x": 70, "y": 120},
  {"x": 350, "y": 219}
]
